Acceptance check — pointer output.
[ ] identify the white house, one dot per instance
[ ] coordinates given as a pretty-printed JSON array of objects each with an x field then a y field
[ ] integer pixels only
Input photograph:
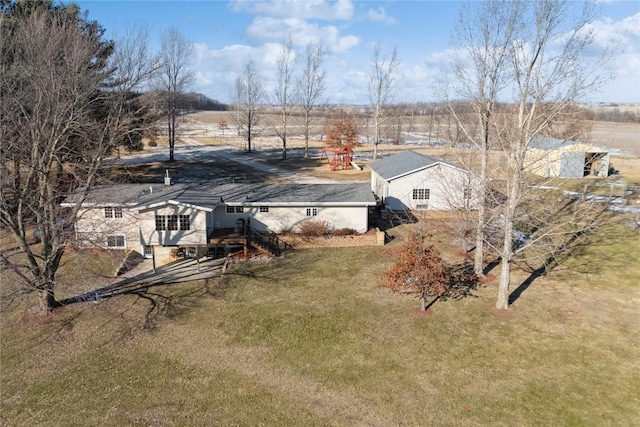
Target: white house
[
  {"x": 156, "y": 219},
  {"x": 560, "y": 158},
  {"x": 412, "y": 181}
]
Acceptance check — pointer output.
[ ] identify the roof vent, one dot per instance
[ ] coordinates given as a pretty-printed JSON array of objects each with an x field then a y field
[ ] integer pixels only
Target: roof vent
[{"x": 167, "y": 178}]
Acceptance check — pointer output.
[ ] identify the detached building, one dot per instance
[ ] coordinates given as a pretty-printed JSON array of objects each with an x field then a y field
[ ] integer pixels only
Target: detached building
[
  {"x": 412, "y": 181},
  {"x": 560, "y": 158}
]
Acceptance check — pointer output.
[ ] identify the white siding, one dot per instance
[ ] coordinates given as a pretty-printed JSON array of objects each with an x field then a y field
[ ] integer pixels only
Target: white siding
[
  {"x": 288, "y": 218},
  {"x": 139, "y": 227},
  {"x": 196, "y": 235},
  {"x": 446, "y": 185}
]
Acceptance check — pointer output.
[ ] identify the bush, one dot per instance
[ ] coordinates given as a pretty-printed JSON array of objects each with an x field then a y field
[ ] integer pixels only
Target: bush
[
  {"x": 314, "y": 228},
  {"x": 344, "y": 232},
  {"x": 152, "y": 143}
]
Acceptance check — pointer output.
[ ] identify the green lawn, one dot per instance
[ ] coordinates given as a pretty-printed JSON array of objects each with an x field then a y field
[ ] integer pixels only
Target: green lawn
[{"x": 311, "y": 340}]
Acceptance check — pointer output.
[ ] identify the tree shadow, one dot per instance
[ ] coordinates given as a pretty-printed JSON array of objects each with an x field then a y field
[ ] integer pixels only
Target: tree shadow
[
  {"x": 489, "y": 267},
  {"x": 572, "y": 246}
]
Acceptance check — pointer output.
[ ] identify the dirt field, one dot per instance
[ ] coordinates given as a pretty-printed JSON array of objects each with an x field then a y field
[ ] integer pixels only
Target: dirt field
[{"x": 619, "y": 137}]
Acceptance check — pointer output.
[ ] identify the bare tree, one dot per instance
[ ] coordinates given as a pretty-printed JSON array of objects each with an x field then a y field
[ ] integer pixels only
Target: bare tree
[
  {"x": 547, "y": 68},
  {"x": 132, "y": 64},
  {"x": 62, "y": 112},
  {"x": 380, "y": 84},
  {"x": 310, "y": 86},
  {"x": 284, "y": 90},
  {"x": 174, "y": 77},
  {"x": 248, "y": 97},
  {"x": 484, "y": 34}
]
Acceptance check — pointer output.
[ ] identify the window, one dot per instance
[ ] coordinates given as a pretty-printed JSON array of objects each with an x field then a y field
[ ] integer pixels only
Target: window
[
  {"x": 172, "y": 222},
  {"x": 312, "y": 211},
  {"x": 467, "y": 194},
  {"x": 421, "y": 193},
  {"x": 161, "y": 222},
  {"x": 110, "y": 212},
  {"x": 235, "y": 209},
  {"x": 185, "y": 222},
  {"x": 264, "y": 209},
  {"x": 148, "y": 251},
  {"x": 115, "y": 241}
]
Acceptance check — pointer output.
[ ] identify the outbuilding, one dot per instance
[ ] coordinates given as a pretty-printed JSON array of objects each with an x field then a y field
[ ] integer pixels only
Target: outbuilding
[
  {"x": 561, "y": 158},
  {"x": 413, "y": 181}
]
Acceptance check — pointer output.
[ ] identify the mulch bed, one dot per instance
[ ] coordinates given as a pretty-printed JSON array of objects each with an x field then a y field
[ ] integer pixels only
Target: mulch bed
[{"x": 417, "y": 312}]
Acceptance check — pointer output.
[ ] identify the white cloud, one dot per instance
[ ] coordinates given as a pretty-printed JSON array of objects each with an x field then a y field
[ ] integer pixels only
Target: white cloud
[
  {"x": 301, "y": 9},
  {"x": 380, "y": 15},
  {"x": 302, "y": 32},
  {"x": 622, "y": 40}
]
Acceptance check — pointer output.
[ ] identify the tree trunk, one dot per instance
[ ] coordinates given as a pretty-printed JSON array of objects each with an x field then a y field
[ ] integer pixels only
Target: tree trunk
[
  {"x": 478, "y": 262},
  {"x": 284, "y": 148},
  {"x": 507, "y": 246},
  {"x": 47, "y": 300},
  {"x": 423, "y": 303},
  {"x": 306, "y": 134},
  {"x": 503, "y": 288}
]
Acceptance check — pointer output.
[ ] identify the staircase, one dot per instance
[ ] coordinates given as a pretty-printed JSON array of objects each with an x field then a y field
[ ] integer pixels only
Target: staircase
[{"x": 268, "y": 242}]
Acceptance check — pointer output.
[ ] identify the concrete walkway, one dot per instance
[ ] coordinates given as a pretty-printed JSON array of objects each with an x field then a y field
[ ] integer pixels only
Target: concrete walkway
[{"x": 142, "y": 276}]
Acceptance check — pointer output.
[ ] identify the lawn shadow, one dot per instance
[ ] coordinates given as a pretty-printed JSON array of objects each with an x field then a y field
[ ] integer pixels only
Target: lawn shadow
[{"x": 161, "y": 291}]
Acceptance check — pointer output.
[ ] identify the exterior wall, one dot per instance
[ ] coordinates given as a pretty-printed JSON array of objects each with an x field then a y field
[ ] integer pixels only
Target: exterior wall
[
  {"x": 565, "y": 162},
  {"x": 196, "y": 235},
  {"x": 446, "y": 187},
  {"x": 571, "y": 164},
  {"x": 543, "y": 162},
  {"x": 92, "y": 228},
  {"x": 288, "y": 218},
  {"x": 379, "y": 185}
]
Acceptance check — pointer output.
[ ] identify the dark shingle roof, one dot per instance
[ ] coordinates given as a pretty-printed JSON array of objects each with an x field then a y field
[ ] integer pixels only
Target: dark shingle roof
[
  {"x": 359, "y": 193},
  {"x": 209, "y": 195},
  {"x": 402, "y": 164}
]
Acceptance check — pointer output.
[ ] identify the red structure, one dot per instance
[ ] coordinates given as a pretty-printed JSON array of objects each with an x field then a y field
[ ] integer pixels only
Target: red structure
[{"x": 341, "y": 157}]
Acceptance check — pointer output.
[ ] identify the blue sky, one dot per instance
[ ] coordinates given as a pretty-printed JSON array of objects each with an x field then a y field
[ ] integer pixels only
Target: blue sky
[{"x": 226, "y": 34}]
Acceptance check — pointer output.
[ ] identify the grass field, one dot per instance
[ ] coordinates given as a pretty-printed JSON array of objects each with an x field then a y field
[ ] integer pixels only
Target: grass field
[{"x": 310, "y": 339}]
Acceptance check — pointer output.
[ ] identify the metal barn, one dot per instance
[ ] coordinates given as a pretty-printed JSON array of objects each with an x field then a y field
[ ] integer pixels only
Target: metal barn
[{"x": 559, "y": 158}]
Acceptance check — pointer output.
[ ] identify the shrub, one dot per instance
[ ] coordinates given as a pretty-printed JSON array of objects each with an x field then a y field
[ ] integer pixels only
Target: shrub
[
  {"x": 344, "y": 232},
  {"x": 152, "y": 143},
  {"x": 314, "y": 228}
]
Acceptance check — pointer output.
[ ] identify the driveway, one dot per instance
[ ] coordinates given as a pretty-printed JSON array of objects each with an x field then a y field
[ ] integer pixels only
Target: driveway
[{"x": 195, "y": 151}]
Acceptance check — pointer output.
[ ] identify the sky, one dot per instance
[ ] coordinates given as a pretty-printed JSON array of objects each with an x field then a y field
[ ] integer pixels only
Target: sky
[{"x": 226, "y": 34}]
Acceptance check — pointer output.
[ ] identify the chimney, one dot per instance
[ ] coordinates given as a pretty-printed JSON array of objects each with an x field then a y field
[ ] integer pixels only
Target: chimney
[{"x": 167, "y": 179}]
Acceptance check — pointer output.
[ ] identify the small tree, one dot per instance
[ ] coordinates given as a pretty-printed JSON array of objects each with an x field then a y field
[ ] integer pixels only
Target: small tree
[
  {"x": 420, "y": 270},
  {"x": 380, "y": 85},
  {"x": 310, "y": 86},
  {"x": 248, "y": 97},
  {"x": 223, "y": 125},
  {"x": 284, "y": 92},
  {"x": 174, "y": 76},
  {"x": 342, "y": 131}
]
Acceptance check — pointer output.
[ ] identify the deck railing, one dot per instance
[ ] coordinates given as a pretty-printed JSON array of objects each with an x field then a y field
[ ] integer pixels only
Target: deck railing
[{"x": 268, "y": 242}]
